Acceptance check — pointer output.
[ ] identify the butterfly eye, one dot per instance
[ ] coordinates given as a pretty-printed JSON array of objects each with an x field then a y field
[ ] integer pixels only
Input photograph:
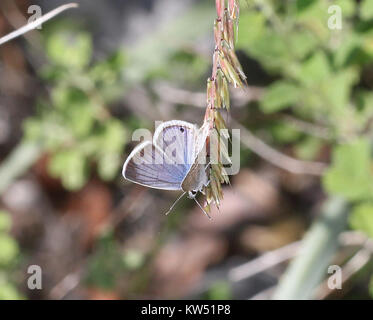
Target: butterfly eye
[{"x": 181, "y": 129}]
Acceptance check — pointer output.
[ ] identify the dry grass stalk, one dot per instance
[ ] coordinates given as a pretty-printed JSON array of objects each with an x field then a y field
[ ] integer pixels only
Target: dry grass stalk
[{"x": 226, "y": 70}]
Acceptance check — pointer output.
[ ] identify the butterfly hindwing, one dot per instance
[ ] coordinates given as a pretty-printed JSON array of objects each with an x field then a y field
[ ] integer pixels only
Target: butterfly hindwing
[{"x": 147, "y": 165}]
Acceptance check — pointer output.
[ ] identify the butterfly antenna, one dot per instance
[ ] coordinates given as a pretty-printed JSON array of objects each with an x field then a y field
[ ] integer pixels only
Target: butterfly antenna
[
  {"x": 204, "y": 211},
  {"x": 176, "y": 201}
]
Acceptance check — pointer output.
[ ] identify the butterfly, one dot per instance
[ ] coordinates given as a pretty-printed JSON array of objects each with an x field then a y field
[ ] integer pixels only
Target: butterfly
[{"x": 174, "y": 160}]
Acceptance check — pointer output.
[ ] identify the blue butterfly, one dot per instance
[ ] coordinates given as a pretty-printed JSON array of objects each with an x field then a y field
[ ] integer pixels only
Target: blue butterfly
[{"x": 175, "y": 160}]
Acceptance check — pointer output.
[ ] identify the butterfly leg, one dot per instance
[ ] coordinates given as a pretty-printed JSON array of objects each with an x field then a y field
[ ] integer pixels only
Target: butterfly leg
[
  {"x": 204, "y": 211},
  {"x": 173, "y": 205}
]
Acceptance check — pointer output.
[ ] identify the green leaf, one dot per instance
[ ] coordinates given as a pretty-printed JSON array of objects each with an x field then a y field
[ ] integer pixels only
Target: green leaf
[
  {"x": 361, "y": 218},
  {"x": 366, "y": 9},
  {"x": 8, "y": 249},
  {"x": 348, "y": 7},
  {"x": 284, "y": 133},
  {"x": 114, "y": 136},
  {"x": 112, "y": 141},
  {"x": 219, "y": 291},
  {"x": 70, "y": 166},
  {"x": 314, "y": 70},
  {"x": 75, "y": 108},
  {"x": 279, "y": 95},
  {"x": 350, "y": 51},
  {"x": 314, "y": 16},
  {"x": 251, "y": 28},
  {"x": 302, "y": 43},
  {"x": 5, "y": 221},
  {"x": 7, "y": 290},
  {"x": 308, "y": 149},
  {"x": 271, "y": 50},
  {"x": 69, "y": 49},
  {"x": 106, "y": 72},
  {"x": 303, "y": 5},
  {"x": 337, "y": 89},
  {"x": 108, "y": 165},
  {"x": 350, "y": 174},
  {"x": 133, "y": 259}
]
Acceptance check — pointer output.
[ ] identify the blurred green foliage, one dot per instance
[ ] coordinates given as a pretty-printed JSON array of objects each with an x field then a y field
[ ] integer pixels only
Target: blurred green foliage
[
  {"x": 219, "y": 290},
  {"x": 9, "y": 252},
  {"x": 321, "y": 77},
  {"x": 108, "y": 265},
  {"x": 74, "y": 123}
]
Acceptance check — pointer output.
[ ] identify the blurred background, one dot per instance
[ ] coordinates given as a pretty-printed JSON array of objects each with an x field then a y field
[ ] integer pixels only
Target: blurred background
[{"x": 72, "y": 93}]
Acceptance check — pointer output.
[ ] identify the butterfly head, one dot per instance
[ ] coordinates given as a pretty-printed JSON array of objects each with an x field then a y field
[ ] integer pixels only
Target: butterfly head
[{"x": 192, "y": 194}]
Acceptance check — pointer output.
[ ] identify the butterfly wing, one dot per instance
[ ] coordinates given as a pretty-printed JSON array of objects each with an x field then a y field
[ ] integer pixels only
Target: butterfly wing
[
  {"x": 177, "y": 140},
  {"x": 147, "y": 166},
  {"x": 196, "y": 176},
  {"x": 200, "y": 143}
]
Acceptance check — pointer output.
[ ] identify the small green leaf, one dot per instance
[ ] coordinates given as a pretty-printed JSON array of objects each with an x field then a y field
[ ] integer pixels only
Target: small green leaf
[
  {"x": 68, "y": 49},
  {"x": 337, "y": 89},
  {"x": 361, "y": 218},
  {"x": 108, "y": 165},
  {"x": 284, "y": 133},
  {"x": 366, "y": 9},
  {"x": 279, "y": 95},
  {"x": 302, "y": 43},
  {"x": 70, "y": 166},
  {"x": 8, "y": 249},
  {"x": 271, "y": 50},
  {"x": 350, "y": 174},
  {"x": 114, "y": 136},
  {"x": 8, "y": 291},
  {"x": 219, "y": 291},
  {"x": 5, "y": 221},
  {"x": 308, "y": 148},
  {"x": 314, "y": 70},
  {"x": 303, "y": 5},
  {"x": 133, "y": 259},
  {"x": 348, "y": 7},
  {"x": 251, "y": 28}
]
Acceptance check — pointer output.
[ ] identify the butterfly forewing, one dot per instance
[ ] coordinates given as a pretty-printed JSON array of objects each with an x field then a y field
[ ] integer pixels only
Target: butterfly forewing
[{"x": 177, "y": 140}]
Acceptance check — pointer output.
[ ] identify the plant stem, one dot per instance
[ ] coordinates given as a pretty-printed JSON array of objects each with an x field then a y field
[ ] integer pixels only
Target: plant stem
[
  {"x": 318, "y": 247},
  {"x": 20, "y": 159}
]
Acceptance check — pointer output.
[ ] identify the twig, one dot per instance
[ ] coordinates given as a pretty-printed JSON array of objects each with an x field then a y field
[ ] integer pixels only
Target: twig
[
  {"x": 198, "y": 99},
  {"x": 282, "y": 254},
  {"x": 21, "y": 158},
  {"x": 307, "y": 127},
  {"x": 277, "y": 158},
  {"x": 66, "y": 285},
  {"x": 30, "y": 26},
  {"x": 263, "y": 262}
]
